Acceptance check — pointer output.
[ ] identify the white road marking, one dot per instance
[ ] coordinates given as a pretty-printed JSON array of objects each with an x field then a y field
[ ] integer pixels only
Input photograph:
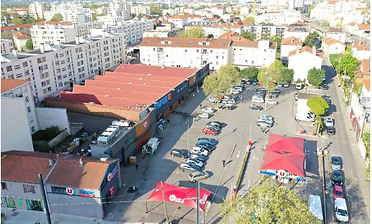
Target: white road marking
[{"x": 237, "y": 156}]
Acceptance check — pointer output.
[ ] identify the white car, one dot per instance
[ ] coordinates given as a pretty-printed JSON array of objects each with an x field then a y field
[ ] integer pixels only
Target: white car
[
  {"x": 195, "y": 162},
  {"x": 257, "y": 100},
  {"x": 329, "y": 122},
  {"x": 239, "y": 88},
  {"x": 204, "y": 115},
  {"x": 299, "y": 86},
  {"x": 341, "y": 212},
  {"x": 208, "y": 110},
  {"x": 200, "y": 151},
  {"x": 271, "y": 101}
]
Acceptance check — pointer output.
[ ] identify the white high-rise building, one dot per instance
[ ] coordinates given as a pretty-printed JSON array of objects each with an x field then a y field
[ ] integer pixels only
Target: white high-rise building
[
  {"x": 52, "y": 34},
  {"x": 6, "y": 46},
  {"x": 36, "y": 10},
  {"x": 53, "y": 68},
  {"x": 118, "y": 12}
]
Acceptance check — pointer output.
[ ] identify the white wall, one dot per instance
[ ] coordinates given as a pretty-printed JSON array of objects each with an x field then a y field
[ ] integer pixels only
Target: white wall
[
  {"x": 52, "y": 116},
  {"x": 15, "y": 134}
]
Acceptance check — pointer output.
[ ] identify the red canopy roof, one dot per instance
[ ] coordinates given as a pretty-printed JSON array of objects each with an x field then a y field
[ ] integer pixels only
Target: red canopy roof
[
  {"x": 285, "y": 153},
  {"x": 180, "y": 195}
]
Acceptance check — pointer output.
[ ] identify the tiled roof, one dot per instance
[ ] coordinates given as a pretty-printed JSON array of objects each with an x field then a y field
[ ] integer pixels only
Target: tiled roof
[
  {"x": 227, "y": 25},
  {"x": 243, "y": 42},
  {"x": 367, "y": 83},
  {"x": 20, "y": 35},
  {"x": 365, "y": 66},
  {"x": 185, "y": 16},
  {"x": 302, "y": 50},
  {"x": 332, "y": 2},
  {"x": 213, "y": 19},
  {"x": 8, "y": 84},
  {"x": 330, "y": 41},
  {"x": 185, "y": 42},
  {"x": 54, "y": 23},
  {"x": 291, "y": 41},
  {"x": 335, "y": 30},
  {"x": 364, "y": 27},
  {"x": 68, "y": 173},
  {"x": 361, "y": 45},
  {"x": 5, "y": 28},
  {"x": 21, "y": 166}
]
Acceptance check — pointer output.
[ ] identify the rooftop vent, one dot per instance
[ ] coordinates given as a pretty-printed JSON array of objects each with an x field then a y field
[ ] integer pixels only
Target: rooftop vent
[
  {"x": 51, "y": 162},
  {"x": 103, "y": 159},
  {"x": 81, "y": 162},
  {"x": 107, "y": 95},
  {"x": 129, "y": 83}
]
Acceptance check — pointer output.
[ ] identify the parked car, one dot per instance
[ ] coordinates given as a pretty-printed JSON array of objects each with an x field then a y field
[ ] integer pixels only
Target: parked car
[
  {"x": 260, "y": 89},
  {"x": 183, "y": 153},
  {"x": 199, "y": 150},
  {"x": 279, "y": 84},
  {"x": 329, "y": 122},
  {"x": 296, "y": 96},
  {"x": 328, "y": 99},
  {"x": 239, "y": 88},
  {"x": 198, "y": 163},
  {"x": 338, "y": 177},
  {"x": 285, "y": 85},
  {"x": 213, "y": 126},
  {"x": 325, "y": 86},
  {"x": 264, "y": 124},
  {"x": 198, "y": 175},
  {"x": 235, "y": 91},
  {"x": 204, "y": 115},
  {"x": 188, "y": 167},
  {"x": 338, "y": 192},
  {"x": 210, "y": 141},
  {"x": 215, "y": 123},
  {"x": 209, "y": 131},
  {"x": 206, "y": 146},
  {"x": 267, "y": 117},
  {"x": 299, "y": 86},
  {"x": 277, "y": 91},
  {"x": 214, "y": 100},
  {"x": 198, "y": 156},
  {"x": 271, "y": 101},
  {"x": 331, "y": 130},
  {"x": 255, "y": 107},
  {"x": 341, "y": 212},
  {"x": 208, "y": 110},
  {"x": 336, "y": 163},
  {"x": 272, "y": 95},
  {"x": 257, "y": 100},
  {"x": 254, "y": 83}
]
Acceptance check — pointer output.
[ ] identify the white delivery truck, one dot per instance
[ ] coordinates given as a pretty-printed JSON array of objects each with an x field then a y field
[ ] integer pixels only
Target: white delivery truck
[
  {"x": 151, "y": 146},
  {"x": 315, "y": 205},
  {"x": 303, "y": 111}
]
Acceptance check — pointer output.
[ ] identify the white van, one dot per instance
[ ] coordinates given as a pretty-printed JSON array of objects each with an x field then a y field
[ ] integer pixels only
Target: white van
[
  {"x": 305, "y": 116},
  {"x": 299, "y": 86},
  {"x": 315, "y": 205},
  {"x": 341, "y": 212}
]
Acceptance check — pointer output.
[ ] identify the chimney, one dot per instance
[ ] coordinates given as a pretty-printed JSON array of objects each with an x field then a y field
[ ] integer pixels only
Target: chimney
[
  {"x": 297, "y": 49},
  {"x": 292, "y": 40},
  {"x": 51, "y": 162},
  {"x": 77, "y": 40},
  {"x": 15, "y": 53},
  {"x": 42, "y": 48},
  {"x": 314, "y": 50},
  {"x": 81, "y": 162}
]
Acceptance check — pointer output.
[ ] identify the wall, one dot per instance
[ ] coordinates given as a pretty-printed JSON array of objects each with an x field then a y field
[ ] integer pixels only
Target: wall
[
  {"x": 14, "y": 119},
  {"x": 94, "y": 109},
  {"x": 59, "y": 138},
  {"x": 52, "y": 116}
]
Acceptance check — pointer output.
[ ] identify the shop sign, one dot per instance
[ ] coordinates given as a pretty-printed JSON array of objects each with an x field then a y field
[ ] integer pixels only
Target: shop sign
[
  {"x": 145, "y": 124},
  {"x": 301, "y": 179},
  {"x": 113, "y": 173},
  {"x": 86, "y": 193},
  {"x": 267, "y": 172},
  {"x": 70, "y": 191},
  {"x": 282, "y": 173},
  {"x": 111, "y": 191},
  {"x": 163, "y": 101}
]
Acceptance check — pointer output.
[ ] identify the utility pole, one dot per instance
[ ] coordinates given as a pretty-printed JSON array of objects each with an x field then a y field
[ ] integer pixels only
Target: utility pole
[
  {"x": 165, "y": 203},
  {"x": 44, "y": 198},
  {"x": 198, "y": 203}
]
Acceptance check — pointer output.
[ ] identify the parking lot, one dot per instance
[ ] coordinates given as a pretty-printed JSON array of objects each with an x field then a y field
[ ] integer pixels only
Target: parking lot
[{"x": 183, "y": 132}]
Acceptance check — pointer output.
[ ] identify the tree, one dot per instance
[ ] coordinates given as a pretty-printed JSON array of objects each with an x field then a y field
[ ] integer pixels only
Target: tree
[
  {"x": 250, "y": 73},
  {"x": 248, "y": 35},
  {"x": 275, "y": 73},
  {"x": 6, "y": 14},
  {"x": 318, "y": 105},
  {"x": 325, "y": 22},
  {"x": 17, "y": 21},
  {"x": 278, "y": 40},
  {"x": 249, "y": 19},
  {"x": 30, "y": 20},
  {"x": 221, "y": 81},
  {"x": 348, "y": 65},
  {"x": 29, "y": 44},
  {"x": 286, "y": 75},
  {"x": 335, "y": 60},
  {"x": 195, "y": 31},
  {"x": 315, "y": 76},
  {"x": 312, "y": 39},
  {"x": 94, "y": 16},
  {"x": 155, "y": 9},
  {"x": 57, "y": 17},
  {"x": 268, "y": 203}
]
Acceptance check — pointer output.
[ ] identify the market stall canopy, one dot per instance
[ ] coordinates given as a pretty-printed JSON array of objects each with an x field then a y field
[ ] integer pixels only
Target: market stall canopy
[
  {"x": 285, "y": 153},
  {"x": 180, "y": 195}
]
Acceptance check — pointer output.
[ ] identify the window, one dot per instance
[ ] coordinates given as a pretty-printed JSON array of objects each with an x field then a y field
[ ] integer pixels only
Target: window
[
  {"x": 59, "y": 190},
  {"x": 9, "y": 68},
  {"x": 33, "y": 130},
  {"x": 29, "y": 188},
  {"x": 4, "y": 186},
  {"x": 17, "y": 67}
]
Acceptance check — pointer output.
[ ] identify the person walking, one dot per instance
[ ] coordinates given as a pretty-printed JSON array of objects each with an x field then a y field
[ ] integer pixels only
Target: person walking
[
  {"x": 136, "y": 166},
  {"x": 201, "y": 106},
  {"x": 223, "y": 163}
]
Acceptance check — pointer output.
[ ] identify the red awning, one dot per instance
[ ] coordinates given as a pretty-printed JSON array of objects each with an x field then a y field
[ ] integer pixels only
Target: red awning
[
  {"x": 285, "y": 153},
  {"x": 180, "y": 195}
]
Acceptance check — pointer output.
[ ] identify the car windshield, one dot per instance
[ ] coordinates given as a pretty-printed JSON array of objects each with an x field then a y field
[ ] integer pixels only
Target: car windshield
[
  {"x": 336, "y": 161},
  {"x": 337, "y": 177},
  {"x": 341, "y": 212},
  {"x": 338, "y": 193}
]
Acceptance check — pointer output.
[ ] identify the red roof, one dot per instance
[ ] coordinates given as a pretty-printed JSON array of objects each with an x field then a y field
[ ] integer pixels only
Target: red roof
[
  {"x": 9, "y": 84},
  {"x": 4, "y": 28},
  {"x": 20, "y": 35},
  {"x": 285, "y": 153}
]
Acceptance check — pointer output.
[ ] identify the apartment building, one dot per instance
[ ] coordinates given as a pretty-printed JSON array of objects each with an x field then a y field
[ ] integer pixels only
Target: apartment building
[
  {"x": 18, "y": 115},
  {"x": 180, "y": 21},
  {"x": 218, "y": 29},
  {"x": 289, "y": 44},
  {"x": 330, "y": 10},
  {"x": 140, "y": 9},
  {"x": 361, "y": 50},
  {"x": 83, "y": 29},
  {"x": 36, "y": 10},
  {"x": 6, "y": 46},
  {"x": 266, "y": 30},
  {"x": 54, "y": 68},
  {"x": 279, "y": 18},
  {"x": 218, "y": 10},
  {"x": 70, "y": 11},
  {"x": 52, "y": 34},
  {"x": 20, "y": 40}
]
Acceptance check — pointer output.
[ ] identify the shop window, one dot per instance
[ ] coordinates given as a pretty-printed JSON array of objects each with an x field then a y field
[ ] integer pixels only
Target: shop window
[
  {"x": 34, "y": 205},
  {"x": 29, "y": 188},
  {"x": 4, "y": 186},
  {"x": 59, "y": 190},
  {"x": 10, "y": 203}
]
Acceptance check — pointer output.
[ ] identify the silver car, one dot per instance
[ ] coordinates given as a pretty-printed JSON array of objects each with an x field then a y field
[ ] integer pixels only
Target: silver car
[
  {"x": 198, "y": 163},
  {"x": 198, "y": 175},
  {"x": 188, "y": 167}
]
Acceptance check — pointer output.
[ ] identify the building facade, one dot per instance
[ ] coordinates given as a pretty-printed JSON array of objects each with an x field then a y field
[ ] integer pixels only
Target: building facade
[
  {"x": 52, "y": 34},
  {"x": 302, "y": 60},
  {"x": 289, "y": 44},
  {"x": 333, "y": 46},
  {"x": 6, "y": 46},
  {"x": 36, "y": 10}
]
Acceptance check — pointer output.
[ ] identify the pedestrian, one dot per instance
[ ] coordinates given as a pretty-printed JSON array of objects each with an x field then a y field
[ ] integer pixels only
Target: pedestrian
[
  {"x": 223, "y": 163},
  {"x": 136, "y": 166},
  {"x": 201, "y": 106},
  {"x": 168, "y": 121}
]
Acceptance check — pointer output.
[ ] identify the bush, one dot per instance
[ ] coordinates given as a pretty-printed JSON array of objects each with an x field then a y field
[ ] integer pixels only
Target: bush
[
  {"x": 47, "y": 134},
  {"x": 41, "y": 146}
]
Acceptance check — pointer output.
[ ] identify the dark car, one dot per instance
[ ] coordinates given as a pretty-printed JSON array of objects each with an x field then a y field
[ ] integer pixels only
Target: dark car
[
  {"x": 338, "y": 177},
  {"x": 198, "y": 156},
  {"x": 336, "y": 163},
  {"x": 328, "y": 99},
  {"x": 216, "y": 123},
  {"x": 208, "y": 147},
  {"x": 273, "y": 95},
  {"x": 183, "y": 153},
  {"x": 255, "y": 83},
  {"x": 331, "y": 130},
  {"x": 285, "y": 85},
  {"x": 210, "y": 141},
  {"x": 255, "y": 107},
  {"x": 325, "y": 86}
]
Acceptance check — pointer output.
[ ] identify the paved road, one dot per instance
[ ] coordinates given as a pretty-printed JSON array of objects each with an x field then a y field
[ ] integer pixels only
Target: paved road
[{"x": 344, "y": 145}]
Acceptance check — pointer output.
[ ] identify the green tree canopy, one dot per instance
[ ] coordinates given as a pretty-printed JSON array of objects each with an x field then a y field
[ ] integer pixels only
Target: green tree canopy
[
  {"x": 29, "y": 44},
  {"x": 222, "y": 80},
  {"x": 286, "y": 75},
  {"x": 94, "y": 16},
  {"x": 6, "y": 14},
  {"x": 268, "y": 203},
  {"x": 17, "y": 21},
  {"x": 249, "y": 19},
  {"x": 195, "y": 31},
  {"x": 315, "y": 76},
  {"x": 248, "y": 35},
  {"x": 335, "y": 60},
  {"x": 311, "y": 39},
  {"x": 31, "y": 20},
  {"x": 278, "y": 40},
  {"x": 318, "y": 105},
  {"x": 155, "y": 9},
  {"x": 250, "y": 73},
  {"x": 57, "y": 17},
  {"x": 348, "y": 65},
  {"x": 325, "y": 22},
  {"x": 275, "y": 73}
]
